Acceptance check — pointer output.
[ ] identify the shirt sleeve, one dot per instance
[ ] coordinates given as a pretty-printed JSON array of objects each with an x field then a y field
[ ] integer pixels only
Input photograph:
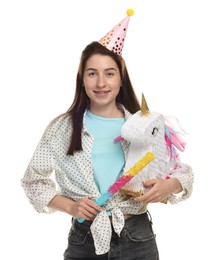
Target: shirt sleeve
[
  {"x": 183, "y": 172},
  {"x": 36, "y": 182}
]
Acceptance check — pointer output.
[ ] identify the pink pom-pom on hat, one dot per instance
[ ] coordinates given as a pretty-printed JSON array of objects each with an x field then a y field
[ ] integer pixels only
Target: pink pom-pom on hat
[{"x": 114, "y": 39}]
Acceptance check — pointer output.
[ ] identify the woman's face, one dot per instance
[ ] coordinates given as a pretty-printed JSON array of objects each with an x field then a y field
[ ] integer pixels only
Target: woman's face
[{"x": 102, "y": 81}]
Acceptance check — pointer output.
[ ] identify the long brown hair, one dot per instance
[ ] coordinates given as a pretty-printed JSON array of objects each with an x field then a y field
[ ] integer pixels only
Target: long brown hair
[{"x": 81, "y": 102}]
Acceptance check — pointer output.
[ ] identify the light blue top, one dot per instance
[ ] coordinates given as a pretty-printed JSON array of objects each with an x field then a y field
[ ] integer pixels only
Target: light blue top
[{"x": 107, "y": 156}]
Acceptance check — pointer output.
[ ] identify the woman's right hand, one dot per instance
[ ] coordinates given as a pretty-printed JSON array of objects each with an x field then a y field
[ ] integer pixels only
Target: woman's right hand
[{"x": 84, "y": 208}]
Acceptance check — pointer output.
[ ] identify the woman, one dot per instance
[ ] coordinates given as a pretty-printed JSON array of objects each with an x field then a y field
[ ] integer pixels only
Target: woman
[{"x": 78, "y": 147}]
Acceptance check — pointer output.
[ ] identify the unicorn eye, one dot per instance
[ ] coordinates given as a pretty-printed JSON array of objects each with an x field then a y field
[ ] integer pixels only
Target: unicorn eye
[{"x": 154, "y": 131}]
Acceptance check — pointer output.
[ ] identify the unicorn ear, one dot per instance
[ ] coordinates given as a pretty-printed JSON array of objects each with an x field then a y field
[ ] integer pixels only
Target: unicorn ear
[{"x": 144, "y": 107}]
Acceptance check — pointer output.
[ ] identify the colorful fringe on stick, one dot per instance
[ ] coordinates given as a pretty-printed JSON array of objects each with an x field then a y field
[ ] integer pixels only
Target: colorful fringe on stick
[{"x": 123, "y": 180}]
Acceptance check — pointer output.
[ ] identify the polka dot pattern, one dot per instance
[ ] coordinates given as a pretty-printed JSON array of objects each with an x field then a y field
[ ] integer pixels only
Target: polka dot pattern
[
  {"x": 114, "y": 39},
  {"x": 74, "y": 179}
]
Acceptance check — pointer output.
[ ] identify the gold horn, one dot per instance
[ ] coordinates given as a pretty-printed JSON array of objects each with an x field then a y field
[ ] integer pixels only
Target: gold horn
[{"x": 144, "y": 107}]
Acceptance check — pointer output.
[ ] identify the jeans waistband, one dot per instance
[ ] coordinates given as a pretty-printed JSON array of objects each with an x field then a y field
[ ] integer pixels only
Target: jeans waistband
[{"x": 129, "y": 221}]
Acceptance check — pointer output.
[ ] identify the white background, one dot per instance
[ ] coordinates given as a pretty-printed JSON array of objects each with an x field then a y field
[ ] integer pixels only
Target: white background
[{"x": 169, "y": 50}]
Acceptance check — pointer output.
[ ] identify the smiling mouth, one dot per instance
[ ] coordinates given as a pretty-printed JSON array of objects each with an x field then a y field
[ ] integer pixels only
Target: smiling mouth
[{"x": 101, "y": 92}]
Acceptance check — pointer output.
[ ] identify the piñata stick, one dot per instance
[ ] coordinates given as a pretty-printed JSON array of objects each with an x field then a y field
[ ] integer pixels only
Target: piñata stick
[{"x": 123, "y": 180}]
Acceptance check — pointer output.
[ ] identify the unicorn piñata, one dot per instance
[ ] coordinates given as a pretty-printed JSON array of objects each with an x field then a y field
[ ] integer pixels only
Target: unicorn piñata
[{"x": 150, "y": 131}]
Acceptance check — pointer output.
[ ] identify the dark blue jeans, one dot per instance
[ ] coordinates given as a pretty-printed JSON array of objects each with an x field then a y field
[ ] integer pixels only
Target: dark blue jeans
[{"x": 137, "y": 241}]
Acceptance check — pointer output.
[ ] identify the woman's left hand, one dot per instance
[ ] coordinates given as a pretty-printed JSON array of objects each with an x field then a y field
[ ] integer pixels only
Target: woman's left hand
[{"x": 159, "y": 190}]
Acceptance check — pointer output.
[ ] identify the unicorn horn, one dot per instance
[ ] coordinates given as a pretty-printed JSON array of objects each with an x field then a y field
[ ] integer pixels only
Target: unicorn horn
[{"x": 144, "y": 107}]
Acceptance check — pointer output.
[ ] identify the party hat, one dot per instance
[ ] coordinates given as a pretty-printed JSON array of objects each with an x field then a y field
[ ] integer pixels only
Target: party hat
[{"x": 114, "y": 39}]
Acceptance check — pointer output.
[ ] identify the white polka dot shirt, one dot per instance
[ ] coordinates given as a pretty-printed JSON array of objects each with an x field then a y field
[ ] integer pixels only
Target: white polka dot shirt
[{"x": 74, "y": 179}]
